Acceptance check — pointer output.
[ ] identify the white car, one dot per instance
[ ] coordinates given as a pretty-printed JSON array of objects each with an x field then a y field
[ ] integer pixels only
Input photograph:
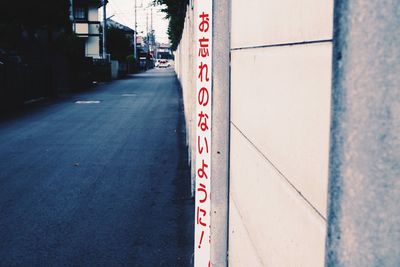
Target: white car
[{"x": 163, "y": 63}]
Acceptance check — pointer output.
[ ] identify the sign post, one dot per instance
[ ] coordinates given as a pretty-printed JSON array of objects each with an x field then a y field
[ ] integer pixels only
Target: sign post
[{"x": 203, "y": 29}]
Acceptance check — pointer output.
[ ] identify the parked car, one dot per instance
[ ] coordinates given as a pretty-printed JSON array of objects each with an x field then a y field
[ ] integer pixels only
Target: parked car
[{"x": 163, "y": 63}]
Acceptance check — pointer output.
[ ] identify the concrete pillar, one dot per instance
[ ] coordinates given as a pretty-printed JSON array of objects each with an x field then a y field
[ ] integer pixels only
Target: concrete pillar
[
  {"x": 364, "y": 183},
  {"x": 220, "y": 133}
]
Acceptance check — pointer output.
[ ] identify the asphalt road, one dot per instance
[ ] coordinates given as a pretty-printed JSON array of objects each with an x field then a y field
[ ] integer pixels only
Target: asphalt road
[{"x": 98, "y": 184}]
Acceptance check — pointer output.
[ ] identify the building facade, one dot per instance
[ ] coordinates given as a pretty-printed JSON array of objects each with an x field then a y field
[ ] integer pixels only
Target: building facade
[{"x": 86, "y": 25}]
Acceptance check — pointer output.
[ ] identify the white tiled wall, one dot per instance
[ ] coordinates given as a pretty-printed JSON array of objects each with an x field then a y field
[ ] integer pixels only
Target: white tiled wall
[
  {"x": 280, "y": 113},
  {"x": 268, "y": 22},
  {"x": 280, "y": 101},
  {"x": 270, "y": 225},
  {"x": 280, "y": 120}
]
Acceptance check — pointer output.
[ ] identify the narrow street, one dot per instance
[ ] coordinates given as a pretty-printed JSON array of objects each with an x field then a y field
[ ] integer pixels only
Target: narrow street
[{"x": 98, "y": 183}]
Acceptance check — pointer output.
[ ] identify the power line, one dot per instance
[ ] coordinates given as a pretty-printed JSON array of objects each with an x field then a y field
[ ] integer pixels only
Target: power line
[{"x": 127, "y": 15}]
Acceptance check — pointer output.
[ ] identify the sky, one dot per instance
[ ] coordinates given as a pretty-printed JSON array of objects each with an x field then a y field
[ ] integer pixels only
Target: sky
[{"x": 124, "y": 13}]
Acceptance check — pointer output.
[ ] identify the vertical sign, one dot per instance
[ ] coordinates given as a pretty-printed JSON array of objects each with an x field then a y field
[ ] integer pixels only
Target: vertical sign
[{"x": 203, "y": 28}]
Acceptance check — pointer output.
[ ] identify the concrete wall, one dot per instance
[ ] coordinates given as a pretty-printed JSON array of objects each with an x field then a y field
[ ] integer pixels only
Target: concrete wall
[
  {"x": 186, "y": 72},
  {"x": 280, "y": 119},
  {"x": 280, "y": 88},
  {"x": 185, "y": 66},
  {"x": 364, "y": 182},
  {"x": 284, "y": 142},
  {"x": 114, "y": 69}
]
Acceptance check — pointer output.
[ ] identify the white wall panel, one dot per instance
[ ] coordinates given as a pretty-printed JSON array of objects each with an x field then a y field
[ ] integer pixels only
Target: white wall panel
[
  {"x": 93, "y": 14},
  {"x": 266, "y": 22},
  {"x": 281, "y": 102},
  {"x": 93, "y": 46},
  {"x": 242, "y": 252},
  {"x": 81, "y": 28},
  {"x": 94, "y": 28},
  {"x": 284, "y": 230}
]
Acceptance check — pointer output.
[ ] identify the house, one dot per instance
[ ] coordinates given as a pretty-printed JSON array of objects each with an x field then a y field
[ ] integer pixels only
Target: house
[
  {"x": 128, "y": 32},
  {"x": 86, "y": 24}
]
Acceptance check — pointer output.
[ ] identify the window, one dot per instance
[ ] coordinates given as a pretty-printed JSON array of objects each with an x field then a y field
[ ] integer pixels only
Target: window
[{"x": 80, "y": 13}]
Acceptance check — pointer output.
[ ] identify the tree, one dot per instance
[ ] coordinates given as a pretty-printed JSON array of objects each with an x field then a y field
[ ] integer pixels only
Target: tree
[
  {"x": 20, "y": 19},
  {"x": 35, "y": 13},
  {"x": 175, "y": 11}
]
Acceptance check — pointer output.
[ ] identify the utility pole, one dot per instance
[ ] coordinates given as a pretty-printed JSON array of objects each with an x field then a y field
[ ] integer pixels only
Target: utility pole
[
  {"x": 147, "y": 31},
  {"x": 104, "y": 29},
  {"x": 135, "y": 35},
  {"x": 151, "y": 19},
  {"x": 151, "y": 29},
  {"x": 71, "y": 15},
  {"x": 147, "y": 23}
]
